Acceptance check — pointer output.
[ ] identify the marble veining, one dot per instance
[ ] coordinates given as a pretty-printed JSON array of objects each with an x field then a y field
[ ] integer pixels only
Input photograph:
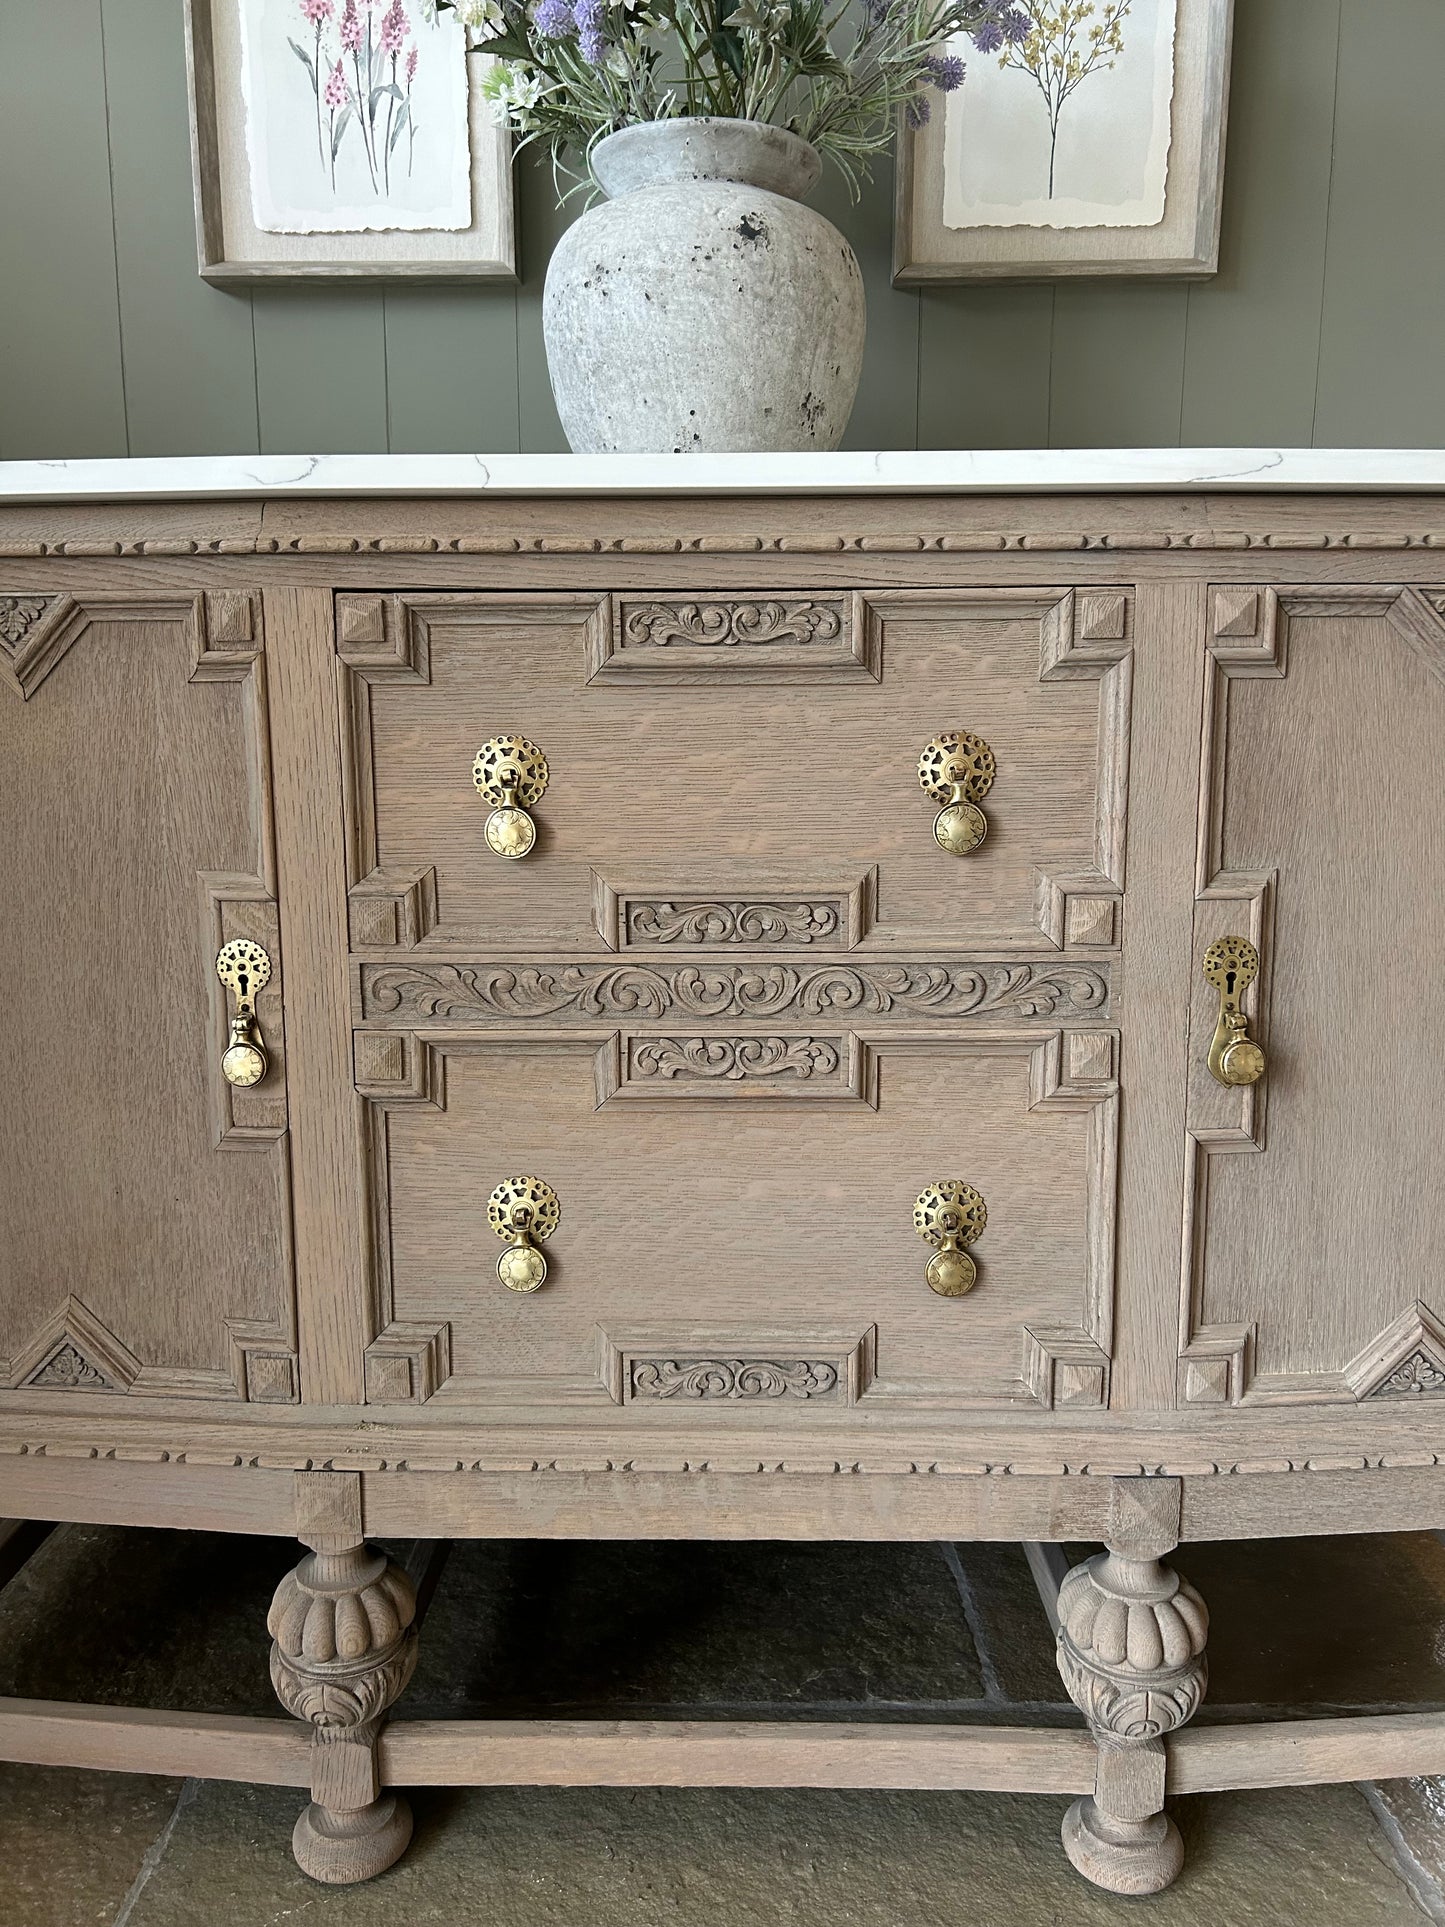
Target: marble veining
[{"x": 899, "y": 471}]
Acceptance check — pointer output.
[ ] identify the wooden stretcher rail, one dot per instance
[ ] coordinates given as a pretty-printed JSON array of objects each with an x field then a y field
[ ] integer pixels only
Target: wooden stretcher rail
[
  {"x": 1385, "y": 1746},
  {"x": 684, "y": 1753},
  {"x": 143, "y": 1739},
  {"x": 792, "y": 1753}
]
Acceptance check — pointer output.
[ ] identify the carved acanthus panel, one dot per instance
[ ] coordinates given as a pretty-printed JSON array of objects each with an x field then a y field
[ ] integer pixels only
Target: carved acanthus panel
[
  {"x": 747, "y": 916},
  {"x": 736, "y": 639},
  {"x": 737, "y": 1067},
  {"x": 449, "y": 993},
  {"x": 707, "y": 1378},
  {"x": 1296, "y": 678},
  {"x": 701, "y": 1367}
]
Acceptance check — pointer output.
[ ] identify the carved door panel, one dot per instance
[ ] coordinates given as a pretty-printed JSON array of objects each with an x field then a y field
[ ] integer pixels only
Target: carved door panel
[
  {"x": 1314, "y": 1220},
  {"x": 144, "y": 1204},
  {"x": 736, "y": 772}
]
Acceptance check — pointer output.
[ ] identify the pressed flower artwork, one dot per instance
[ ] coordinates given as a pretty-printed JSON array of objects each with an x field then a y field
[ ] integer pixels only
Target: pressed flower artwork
[
  {"x": 1064, "y": 120},
  {"x": 356, "y": 116}
]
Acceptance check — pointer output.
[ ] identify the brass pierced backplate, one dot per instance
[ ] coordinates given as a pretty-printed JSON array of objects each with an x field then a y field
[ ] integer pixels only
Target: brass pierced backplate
[
  {"x": 957, "y": 769},
  {"x": 526, "y": 1212},
  {"x": 511, "y": 774},
  {"x": 1231, "y": 964},
  {"x": 245, "y": 969},
  {"x": 950, "y": 1215}
]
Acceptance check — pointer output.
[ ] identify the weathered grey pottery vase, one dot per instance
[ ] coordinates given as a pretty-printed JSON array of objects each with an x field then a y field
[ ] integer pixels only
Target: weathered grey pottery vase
[{"x": 701, "y": 307}]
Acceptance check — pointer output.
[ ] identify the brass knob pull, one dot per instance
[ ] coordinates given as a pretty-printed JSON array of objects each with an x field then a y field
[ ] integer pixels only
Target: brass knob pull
[
  {"x": 245, "y": 969},
  {"x": 957, "y": 769},
  {"x": 511, "y": 775},
  {"x": 950, "y": 1215},
  {"x": 1231, "y": 965},
  {"x": 525, "y": 1212}
]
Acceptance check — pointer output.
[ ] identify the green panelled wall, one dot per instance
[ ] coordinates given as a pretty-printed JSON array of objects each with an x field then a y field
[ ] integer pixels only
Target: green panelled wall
[{"x": 1323, "y": 326}]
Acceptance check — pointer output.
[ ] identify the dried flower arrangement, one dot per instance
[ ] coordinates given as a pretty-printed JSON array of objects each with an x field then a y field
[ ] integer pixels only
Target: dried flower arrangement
[{"x": 570, "y": 72}]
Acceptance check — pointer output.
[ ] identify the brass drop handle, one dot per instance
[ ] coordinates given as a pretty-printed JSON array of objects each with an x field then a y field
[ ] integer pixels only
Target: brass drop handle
[
  {"x": 511, "y": 774},
  {"x": 957, "y": 769},
  {"x": 245, "y": 969},
  {"x": 1231, "y": 964},
  {"x": 950, "y": 1215},
  {"x": 525, "y": 1212}
]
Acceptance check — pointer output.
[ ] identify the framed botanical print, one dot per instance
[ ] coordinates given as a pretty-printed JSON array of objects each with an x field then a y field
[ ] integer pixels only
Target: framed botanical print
[
  {"x": 339, "y": 139},
  {"x": 1087, "y": 137}
]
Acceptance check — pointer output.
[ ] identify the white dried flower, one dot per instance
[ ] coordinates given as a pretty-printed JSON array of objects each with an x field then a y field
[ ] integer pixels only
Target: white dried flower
[
  {"x": 483, "y": 19},
  {"x": 512, "y": 90}
]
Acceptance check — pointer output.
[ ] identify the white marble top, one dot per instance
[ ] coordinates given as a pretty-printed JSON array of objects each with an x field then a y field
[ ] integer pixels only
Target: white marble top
[{"x": 900, "y": 471}]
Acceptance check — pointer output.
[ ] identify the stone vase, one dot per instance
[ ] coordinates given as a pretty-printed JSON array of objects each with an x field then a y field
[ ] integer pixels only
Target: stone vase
[{"x": 701, "y": 307}]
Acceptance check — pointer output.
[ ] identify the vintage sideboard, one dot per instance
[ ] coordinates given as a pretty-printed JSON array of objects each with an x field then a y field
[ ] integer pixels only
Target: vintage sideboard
[{"x": 874, "y": 998}]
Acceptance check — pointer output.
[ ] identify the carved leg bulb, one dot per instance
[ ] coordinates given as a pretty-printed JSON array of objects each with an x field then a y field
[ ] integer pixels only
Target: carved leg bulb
[
  {"x": 342, "y": 1649},
  {"x": 1131, "y": 1653}
]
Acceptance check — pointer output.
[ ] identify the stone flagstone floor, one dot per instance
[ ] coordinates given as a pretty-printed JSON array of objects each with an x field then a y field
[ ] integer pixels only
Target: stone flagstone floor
[{"x": 741, "y": 1631}]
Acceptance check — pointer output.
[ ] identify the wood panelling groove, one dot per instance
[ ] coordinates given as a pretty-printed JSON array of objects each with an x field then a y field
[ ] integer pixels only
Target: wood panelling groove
[{"x": 100, "y": 229}]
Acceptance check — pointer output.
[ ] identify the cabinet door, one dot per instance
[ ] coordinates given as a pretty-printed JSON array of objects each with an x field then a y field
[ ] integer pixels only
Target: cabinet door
[
  {"x": 145, "y": 1239},
  {"x": 1314, "y": 1214}
]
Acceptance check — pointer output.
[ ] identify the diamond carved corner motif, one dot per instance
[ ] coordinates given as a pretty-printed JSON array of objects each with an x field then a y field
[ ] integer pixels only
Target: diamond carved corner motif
[
  {"x": 1065, "y": 1366},
  {"x": 74, "y": 1351},
  {"x": 1217, "y": 1364},
  {"x": 1407, "y": 1360},
  {"x": 388, "y": 912},
  {"x": 68, "y": 1370},
  {"x": 18, "y": 614},
  {"x": 407, "y": 1363},
  {"x": 35, "y": 632}
]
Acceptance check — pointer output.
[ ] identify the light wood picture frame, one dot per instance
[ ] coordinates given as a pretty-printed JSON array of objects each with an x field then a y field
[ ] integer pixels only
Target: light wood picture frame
[
  {"x": 1184, "y": 244},
  {"x": 232, "y": 248}
]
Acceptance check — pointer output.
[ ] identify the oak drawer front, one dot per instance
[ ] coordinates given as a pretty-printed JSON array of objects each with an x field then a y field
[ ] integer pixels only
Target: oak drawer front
[
  {"x": 736, "y": 770},
  {"x": 737, "y": 1216}
]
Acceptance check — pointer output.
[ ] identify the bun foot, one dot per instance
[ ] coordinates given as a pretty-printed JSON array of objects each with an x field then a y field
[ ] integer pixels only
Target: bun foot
[
  {"x": 1122, "y": 1856},
  {"x": 340, "y": 1847}
]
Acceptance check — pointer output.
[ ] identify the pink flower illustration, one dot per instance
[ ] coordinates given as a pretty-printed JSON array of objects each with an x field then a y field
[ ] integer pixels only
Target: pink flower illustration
[
  {"x": 350, "y": 28},
  {"x": 411, "y": 67},
  {"x": 393, "y": 28},
  {"x": 336, "y": 93},
  {"x": 317, "y": 10}
]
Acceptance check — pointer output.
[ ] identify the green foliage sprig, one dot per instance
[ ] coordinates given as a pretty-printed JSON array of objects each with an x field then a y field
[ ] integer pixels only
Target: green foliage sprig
[{"x": 836, "y": 72}]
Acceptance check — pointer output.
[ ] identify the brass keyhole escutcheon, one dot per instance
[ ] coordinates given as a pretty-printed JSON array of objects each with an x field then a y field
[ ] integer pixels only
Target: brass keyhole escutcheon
[
  {"x": 511, "y": 774},
  {"x": 957, "y": 769},
  {"x": 950, "y": 1215},
  {"x": 1231, "y": 964},
  {"x": 525, "y": 1212},
  {"x": 245, "y": 969}
]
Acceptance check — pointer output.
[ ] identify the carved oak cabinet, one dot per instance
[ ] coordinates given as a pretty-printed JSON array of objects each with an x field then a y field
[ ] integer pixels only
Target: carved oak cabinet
[{"x": 773, "y": 1013}]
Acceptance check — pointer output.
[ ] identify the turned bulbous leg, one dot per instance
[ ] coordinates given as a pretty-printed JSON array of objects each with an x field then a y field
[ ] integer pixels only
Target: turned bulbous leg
[
  {"x": 1131, "y": 1653},
  {"x": 343, "y": 1648}
]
